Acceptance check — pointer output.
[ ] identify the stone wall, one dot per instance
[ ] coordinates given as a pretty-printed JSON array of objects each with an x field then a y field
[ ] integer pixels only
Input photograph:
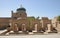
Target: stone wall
[
  {"x": 4, "y": 22},
  {"x": 44, "y": 22}
]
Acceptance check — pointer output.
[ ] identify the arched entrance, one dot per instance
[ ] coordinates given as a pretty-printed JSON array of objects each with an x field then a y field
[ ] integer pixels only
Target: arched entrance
[
  {"x": 15, "y": 27},
  {"x": 23, "y": 27}
]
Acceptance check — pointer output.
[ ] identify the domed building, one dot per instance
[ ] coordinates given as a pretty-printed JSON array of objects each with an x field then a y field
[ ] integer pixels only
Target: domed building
[{"x": 19, "y": 21}]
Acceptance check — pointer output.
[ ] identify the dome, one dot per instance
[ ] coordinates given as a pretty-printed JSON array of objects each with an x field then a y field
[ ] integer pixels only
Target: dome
[{"x": 21, "y": 8}]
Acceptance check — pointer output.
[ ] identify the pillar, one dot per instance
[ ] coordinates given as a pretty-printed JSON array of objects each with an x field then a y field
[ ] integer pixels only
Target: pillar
[
  {"x": 49, "y": 27},
  {"x": 36, "y": 27},
  {"x": 58, "y": 28}
]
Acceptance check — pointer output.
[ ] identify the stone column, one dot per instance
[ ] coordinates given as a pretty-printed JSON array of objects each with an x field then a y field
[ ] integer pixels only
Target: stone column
[
  {"x": 10, "y": 24},
  {"x": 49, "y": 27},
  {"x": 58, "y": 28},
  {"x": 54, "y": 25},
  {"x": 36, "y": 27}
]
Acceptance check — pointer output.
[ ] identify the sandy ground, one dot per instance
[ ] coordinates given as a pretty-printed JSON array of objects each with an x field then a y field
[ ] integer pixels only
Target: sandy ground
[{"x": 32, "y": 36}]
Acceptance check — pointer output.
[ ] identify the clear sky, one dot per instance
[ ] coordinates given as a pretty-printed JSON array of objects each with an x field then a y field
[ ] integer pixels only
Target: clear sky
[{"x": 41, "y": 8}]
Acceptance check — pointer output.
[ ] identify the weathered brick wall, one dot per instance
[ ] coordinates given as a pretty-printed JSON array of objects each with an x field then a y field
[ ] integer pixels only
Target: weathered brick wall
[{"x": 4, "y": 22}]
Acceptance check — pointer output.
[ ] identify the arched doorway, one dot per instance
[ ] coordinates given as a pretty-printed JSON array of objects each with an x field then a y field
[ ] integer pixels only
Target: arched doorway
[
  {"x": 23, "y": 27},
  {"x": 15, "y": 27}
]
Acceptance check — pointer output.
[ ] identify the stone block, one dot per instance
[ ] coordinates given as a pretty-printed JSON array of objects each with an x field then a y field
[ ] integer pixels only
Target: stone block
[
  {"x": 30, "y": 33},
  {"x": 45, "y": 32}
]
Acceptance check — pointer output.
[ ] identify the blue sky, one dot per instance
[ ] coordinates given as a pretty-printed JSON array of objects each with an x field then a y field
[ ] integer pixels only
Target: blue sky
[{"x": 41, "y": 8}]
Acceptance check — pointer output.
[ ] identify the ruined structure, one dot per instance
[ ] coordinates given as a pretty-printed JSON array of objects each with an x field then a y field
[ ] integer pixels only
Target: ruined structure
[{"x": 19, "y": 21}]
